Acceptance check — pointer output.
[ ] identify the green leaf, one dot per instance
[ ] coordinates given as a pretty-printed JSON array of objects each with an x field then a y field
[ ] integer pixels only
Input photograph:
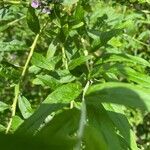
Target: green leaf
[
  {"x": 119, "y": 119},
  {"x": 131, "y": 75},
  {"x": 55, "y": 101},
  {"x": 115, "y": 42},
  {"x": 78, "y": 25},
  {"x": 68, "y": 78},
  {"x": 49, "y": 81},
  {"x": 3, "y": 106},
  {"x": 64, "y": 76},
  {"x": 94, "y": 139},
  {"x": 34, "y": 69},
  {"x": 79, "y": 12},
  {"x": 120, "y": 57},
  {"x": 25, "y": 107},
  {"x": 32, "y": 20},
  {"x": 101, "y": 38},
  {"x": 106, "y": 36},
  {"x": 64, "y": 94},
  {"x": 78, "y": 61},
  {"x": 62, "y": 128},
  {"x": 42, "y": 62},
  {"x": 37, "y": 81},
  {"x": 51, "y": 49},
  {"x": 16, "y": 122},
  {"x": 99, "y": 119},
  {"x": 120, "y": 93}
]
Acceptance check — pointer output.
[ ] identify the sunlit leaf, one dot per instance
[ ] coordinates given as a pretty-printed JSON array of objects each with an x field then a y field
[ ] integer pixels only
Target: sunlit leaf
[
  {"x": 3, "y": 106},
  {"x": 54, "y": 101},
  {"x": 25, "y": 107},
  {"x": 120, "y": 93}
]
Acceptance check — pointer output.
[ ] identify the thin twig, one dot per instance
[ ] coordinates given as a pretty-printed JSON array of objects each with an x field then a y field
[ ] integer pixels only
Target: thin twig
[
  {"x": 17, "y": 86},
  {"x": 13, "y": 108},
  {"x": 30, "y": 55},
  {"x": 32, "y": 50}
]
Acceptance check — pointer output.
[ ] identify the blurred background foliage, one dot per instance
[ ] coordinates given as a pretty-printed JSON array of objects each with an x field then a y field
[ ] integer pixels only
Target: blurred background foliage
[{"x": 130, "y": 17}]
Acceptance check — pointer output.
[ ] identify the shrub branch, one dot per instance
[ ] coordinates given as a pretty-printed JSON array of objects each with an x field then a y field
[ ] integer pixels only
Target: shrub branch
[{"x": 17, "y": 86}]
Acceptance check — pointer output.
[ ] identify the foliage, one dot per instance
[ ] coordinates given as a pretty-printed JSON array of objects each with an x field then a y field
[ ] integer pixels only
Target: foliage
[{"x": 72, "y": 73}]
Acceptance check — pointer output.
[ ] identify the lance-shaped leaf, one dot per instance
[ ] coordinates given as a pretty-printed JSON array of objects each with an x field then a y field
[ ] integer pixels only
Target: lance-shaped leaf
[
  {"x": 116, "y": 114},
  {"x": 126, "y": 58},
  {"x": 50, "y": 81},
  {"x": 120, "y": 93},
  {"x": 3, "y": 106},
  {"x": 102, "y": 126},
  {"x": 55, "y": 101},
  {"x": 32, "y": 20},
  {"x": 42, "y": 62},
  {"x": 130, "y": 74},
  {"x": 78, "y": 61},
  {"x": 25, "y": 107},
  {"x": 62, "y": 128}
]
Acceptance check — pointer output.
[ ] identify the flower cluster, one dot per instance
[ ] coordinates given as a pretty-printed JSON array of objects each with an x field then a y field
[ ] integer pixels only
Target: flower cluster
[{"x": 43, "y": 5}]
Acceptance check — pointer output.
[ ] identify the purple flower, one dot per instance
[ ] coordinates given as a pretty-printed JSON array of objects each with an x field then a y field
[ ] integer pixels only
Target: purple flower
[{"x": 35, "y": 3}]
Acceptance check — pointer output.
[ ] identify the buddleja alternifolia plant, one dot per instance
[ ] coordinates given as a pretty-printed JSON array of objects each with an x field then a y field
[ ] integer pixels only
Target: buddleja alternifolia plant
[{"x": 89, "y": 85}]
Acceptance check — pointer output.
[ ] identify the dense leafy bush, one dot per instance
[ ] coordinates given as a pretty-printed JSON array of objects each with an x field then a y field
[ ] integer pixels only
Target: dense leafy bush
[{"x": 73, "y": 73}]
